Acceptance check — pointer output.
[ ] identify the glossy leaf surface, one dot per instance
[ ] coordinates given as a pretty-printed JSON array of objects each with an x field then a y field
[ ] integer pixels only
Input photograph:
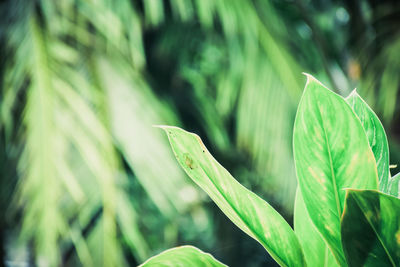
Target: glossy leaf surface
[
  {"x": 376, "y": 137},
  {"x": 314, "y": 247},
  {"x": 331, "y": 153},
  {"x": 182, "y": 257},
  {"x": 371, "y": 229},
  {"x": 244, "y": 208}
]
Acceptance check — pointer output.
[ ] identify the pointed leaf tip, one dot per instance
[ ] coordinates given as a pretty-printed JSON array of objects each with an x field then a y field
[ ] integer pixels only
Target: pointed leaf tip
[
  {"x": 353, "y": 93},
  {"x": 240, "y": 205},
  {"x": 376, "y": 135},
  {"x": 328, "y": 135}
]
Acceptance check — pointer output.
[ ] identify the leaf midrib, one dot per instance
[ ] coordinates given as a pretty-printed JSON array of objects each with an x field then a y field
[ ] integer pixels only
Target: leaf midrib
[
  {"x": 335, "y": 189},
  {"x": 272, "y": 253},
  {"x": 375, "y": 231}
]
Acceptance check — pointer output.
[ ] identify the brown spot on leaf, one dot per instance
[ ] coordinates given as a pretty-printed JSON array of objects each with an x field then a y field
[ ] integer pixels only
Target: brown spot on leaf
[{"x": 189, "y": 162}]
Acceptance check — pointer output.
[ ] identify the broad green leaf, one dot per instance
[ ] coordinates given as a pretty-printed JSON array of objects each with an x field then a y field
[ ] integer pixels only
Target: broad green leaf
[
  {"x": 331, "y": 153},
  {"x": 244, "y": 208},
  {"x": 182, "y": 257},
  {"x": 371, "y": 229},
  {"x": 394, "y": 185},
  {"x": 316, "y": 252},
  {"x": 376, "y": 137}
]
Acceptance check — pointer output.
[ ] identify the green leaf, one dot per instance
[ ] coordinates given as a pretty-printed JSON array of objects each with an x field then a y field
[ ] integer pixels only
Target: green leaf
[
  {"x": 182, "y": 257},
  {"x": 43, "y": 225},
  {"x": 371, "y": 229},
  {"x": 394, "y": 185},
  {"x": 376, "y": 137},
  {"x": 244, "y": 208},
  {"x": 316, "y": 252},
  {"x": 331, "y": 153}
]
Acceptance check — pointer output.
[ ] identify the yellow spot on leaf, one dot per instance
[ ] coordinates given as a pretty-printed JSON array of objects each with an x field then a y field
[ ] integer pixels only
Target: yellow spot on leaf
[
  {"x": 316, "y": 176},
  {"x": 398, "y": 237}
]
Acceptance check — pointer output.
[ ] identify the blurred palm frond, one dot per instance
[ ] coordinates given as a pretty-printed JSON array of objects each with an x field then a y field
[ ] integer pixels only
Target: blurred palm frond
[{"x": 90, "y": 182}]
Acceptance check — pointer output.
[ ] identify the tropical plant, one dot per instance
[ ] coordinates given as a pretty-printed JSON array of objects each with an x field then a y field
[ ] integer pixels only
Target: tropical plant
[
  {"x": 82, "y": 81},
  {"x": 346, "y": 210},
  {"x": 79, "y": 94}
]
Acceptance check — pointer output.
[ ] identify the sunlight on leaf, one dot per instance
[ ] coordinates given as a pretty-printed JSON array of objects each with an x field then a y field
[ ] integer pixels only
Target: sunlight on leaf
[
  {"x": 244, "y": 208},
  {"x": 376, "y": 137},
  {"x": 316, "y": 251},
  {"x": 331, "y": 153}
]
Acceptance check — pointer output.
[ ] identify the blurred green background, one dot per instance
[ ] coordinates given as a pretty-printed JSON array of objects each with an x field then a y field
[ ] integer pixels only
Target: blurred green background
[{"x": 85, "y": 178}]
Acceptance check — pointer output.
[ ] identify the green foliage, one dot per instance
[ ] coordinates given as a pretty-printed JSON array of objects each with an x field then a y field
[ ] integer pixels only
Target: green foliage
[
  {"x": 316, "y": 251},
  {"x": 78, "y": 98},
  {"x": 244, "y": 208},
  {"x": 82, "y": 81},
  {"x": 66, "y": 126},
  {"x": 331, "y": 153},
  {"x": 336, "y": 225},
  {"x": 371, "y": 229},
  {"x": 394, "y": 184},
  {"x": 376, "y": 137},
  {"x": 181, "y": 257}
]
